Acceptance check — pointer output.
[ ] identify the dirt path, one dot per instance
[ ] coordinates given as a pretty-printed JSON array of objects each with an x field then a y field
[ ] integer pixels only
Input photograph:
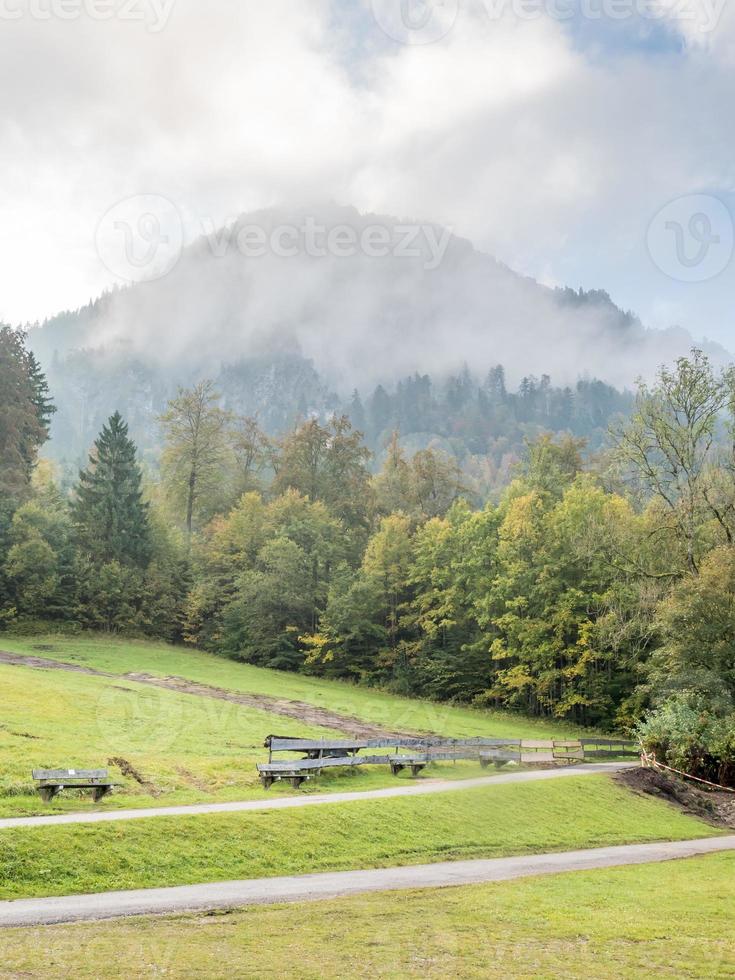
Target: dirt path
[
  {"x": 309, "y": 714},
  {"x": 419, "y": 788},
  {"x": 306, "y": 888}
]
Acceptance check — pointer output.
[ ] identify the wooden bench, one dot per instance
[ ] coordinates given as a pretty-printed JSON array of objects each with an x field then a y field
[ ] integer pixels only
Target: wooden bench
[
  {"x": 52, "y": 781},
  {"x": 299, "y": 770},
  {"x": 499, "y": 757},
  {"x": 323, "y": 748},
  {"x": 413, "y": 762},
  {"x": 319, "y": 754},
  {"x": 315, "y": 748}
]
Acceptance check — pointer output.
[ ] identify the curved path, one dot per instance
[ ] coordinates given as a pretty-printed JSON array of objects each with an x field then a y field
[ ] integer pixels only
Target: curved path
[
  {"x": 262, "y": 891},
  {"x": 286, "y": 802}
]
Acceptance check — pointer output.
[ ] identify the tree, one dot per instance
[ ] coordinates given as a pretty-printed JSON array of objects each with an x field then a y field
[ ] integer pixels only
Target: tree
[
  {"x": 328, "y": 463},
  {"x": 25, "y": 411},
  {"x": 423, "y": 487},
  {"x": 453, "y": 564},
  {"x": 40, "y": 561},
  {"x": 544, "y": 604},
  {"x": 272, "y": 608},
  {"x": 670, "y": 444},
  {"x": 111, "y": 596},
  {"x": 436, "y": 482},
  {"x": 41, "y": 398},
  {"x": 362, "y": 632},
  {"x": 197, "y": 451},
  {"x": 109, "y": 513},
  {"x": 252, "y": 450},
  {"x": 392, "y": 485},
  {"x": 551, "y": 465},
  {"x": 697, "y": 624},
  {"x": 247, "y": 551}
]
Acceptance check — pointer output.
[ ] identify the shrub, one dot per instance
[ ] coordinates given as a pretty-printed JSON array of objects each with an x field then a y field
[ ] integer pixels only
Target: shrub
[{"x": 693, "y": 734}]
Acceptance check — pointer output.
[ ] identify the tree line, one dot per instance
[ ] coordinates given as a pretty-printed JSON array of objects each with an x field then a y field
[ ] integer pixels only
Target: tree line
[{"x": 601, "y": 592}]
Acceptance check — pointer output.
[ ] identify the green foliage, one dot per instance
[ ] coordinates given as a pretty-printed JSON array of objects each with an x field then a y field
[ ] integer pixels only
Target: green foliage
[
  {"x": 693, "y": 734},
  {"x": 671, "y": 445},
  {"x": 584, "y": 593},
  {"x": 328, "y": 464},
  {"x": 110, "y": 516},
  {"x": 25, "y": 412},
  {"x": 697, "y": 625},
  {"x": 40, "y": 562},
  {"x": 197, "y": 450},
  {"x": 111, "y": 596},
  {"x": 423, "y": 487},
  {"x": 264, "y": 574}
]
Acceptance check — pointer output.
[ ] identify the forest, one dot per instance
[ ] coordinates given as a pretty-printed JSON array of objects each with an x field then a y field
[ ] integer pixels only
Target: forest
[{"x": 597, "y": 588}]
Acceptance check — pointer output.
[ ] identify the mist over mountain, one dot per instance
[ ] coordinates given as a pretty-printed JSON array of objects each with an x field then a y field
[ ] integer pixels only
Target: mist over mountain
[{"x": 293, "y": 334}]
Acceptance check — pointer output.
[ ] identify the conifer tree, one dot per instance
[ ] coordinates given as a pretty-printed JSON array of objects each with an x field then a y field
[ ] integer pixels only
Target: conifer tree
[
  {"x": 23, "y": 423},
  {"x": 40, "y": 396},
  {"x": 110, "y": 515}
]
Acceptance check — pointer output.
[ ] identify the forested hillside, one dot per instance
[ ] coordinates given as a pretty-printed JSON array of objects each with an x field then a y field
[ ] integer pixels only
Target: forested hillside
[
  {"x": 480, "y": 422},
  {"x": 448, "y": 346},
  {"x": 600, "y": 594}
]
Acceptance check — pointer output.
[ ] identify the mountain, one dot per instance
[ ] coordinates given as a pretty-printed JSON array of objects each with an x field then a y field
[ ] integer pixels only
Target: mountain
[{"x": 294, "y": 334}]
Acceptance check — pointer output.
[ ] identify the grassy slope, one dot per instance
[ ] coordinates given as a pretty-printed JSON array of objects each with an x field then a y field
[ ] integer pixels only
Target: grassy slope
[
  {"x": 189, "y": 748},
  {"x": 393, "y": 713},
  {"x": 669, "y": 920},
  {"x": 494, "y": 821}
]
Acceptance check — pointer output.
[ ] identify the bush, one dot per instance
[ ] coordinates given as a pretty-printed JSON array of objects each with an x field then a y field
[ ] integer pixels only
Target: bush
[{"x": 693, "y": 734}]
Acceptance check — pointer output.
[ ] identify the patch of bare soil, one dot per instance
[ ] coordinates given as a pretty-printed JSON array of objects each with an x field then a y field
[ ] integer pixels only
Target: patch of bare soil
[
  {"x": 309, "y": 714},
  {"x": 716, "y": 807},
  {"x": 193, "y": 780},
  {"x": 128, "y": 769},
  {"x": 41, "y": 663}
]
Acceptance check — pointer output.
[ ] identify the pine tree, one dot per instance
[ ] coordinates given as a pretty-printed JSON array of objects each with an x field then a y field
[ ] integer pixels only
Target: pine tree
[
  {"x": 110, "y": 515},
  {"x": 22, "y": 430},
  {"x": 40, "y": 397}
]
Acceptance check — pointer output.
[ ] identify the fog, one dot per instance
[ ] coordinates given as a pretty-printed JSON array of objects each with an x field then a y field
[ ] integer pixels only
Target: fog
[
  {"x": 432, "y": 303},
  {"x": 549, "y": 145}
]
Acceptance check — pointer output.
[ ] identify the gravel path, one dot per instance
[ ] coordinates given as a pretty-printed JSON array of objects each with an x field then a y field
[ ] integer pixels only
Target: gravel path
[
  {"x": 286, "y": 802},
  {"x": 232, "y": 894}
]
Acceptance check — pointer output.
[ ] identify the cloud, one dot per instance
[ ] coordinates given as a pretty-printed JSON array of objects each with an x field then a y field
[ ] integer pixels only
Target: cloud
[{"x": 511, "y": 132}]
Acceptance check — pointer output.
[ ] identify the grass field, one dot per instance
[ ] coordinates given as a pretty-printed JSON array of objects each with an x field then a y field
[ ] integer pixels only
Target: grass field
[
  {"x": 187, "y": 748},
  {"x": 667, "y": 920},
  {"x": 494, "y": 821},
  {"x": 392, "y": 713}
]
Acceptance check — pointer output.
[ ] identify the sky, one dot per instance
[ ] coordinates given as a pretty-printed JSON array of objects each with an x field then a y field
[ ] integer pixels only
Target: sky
[{"x": 588, "y": 143}]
